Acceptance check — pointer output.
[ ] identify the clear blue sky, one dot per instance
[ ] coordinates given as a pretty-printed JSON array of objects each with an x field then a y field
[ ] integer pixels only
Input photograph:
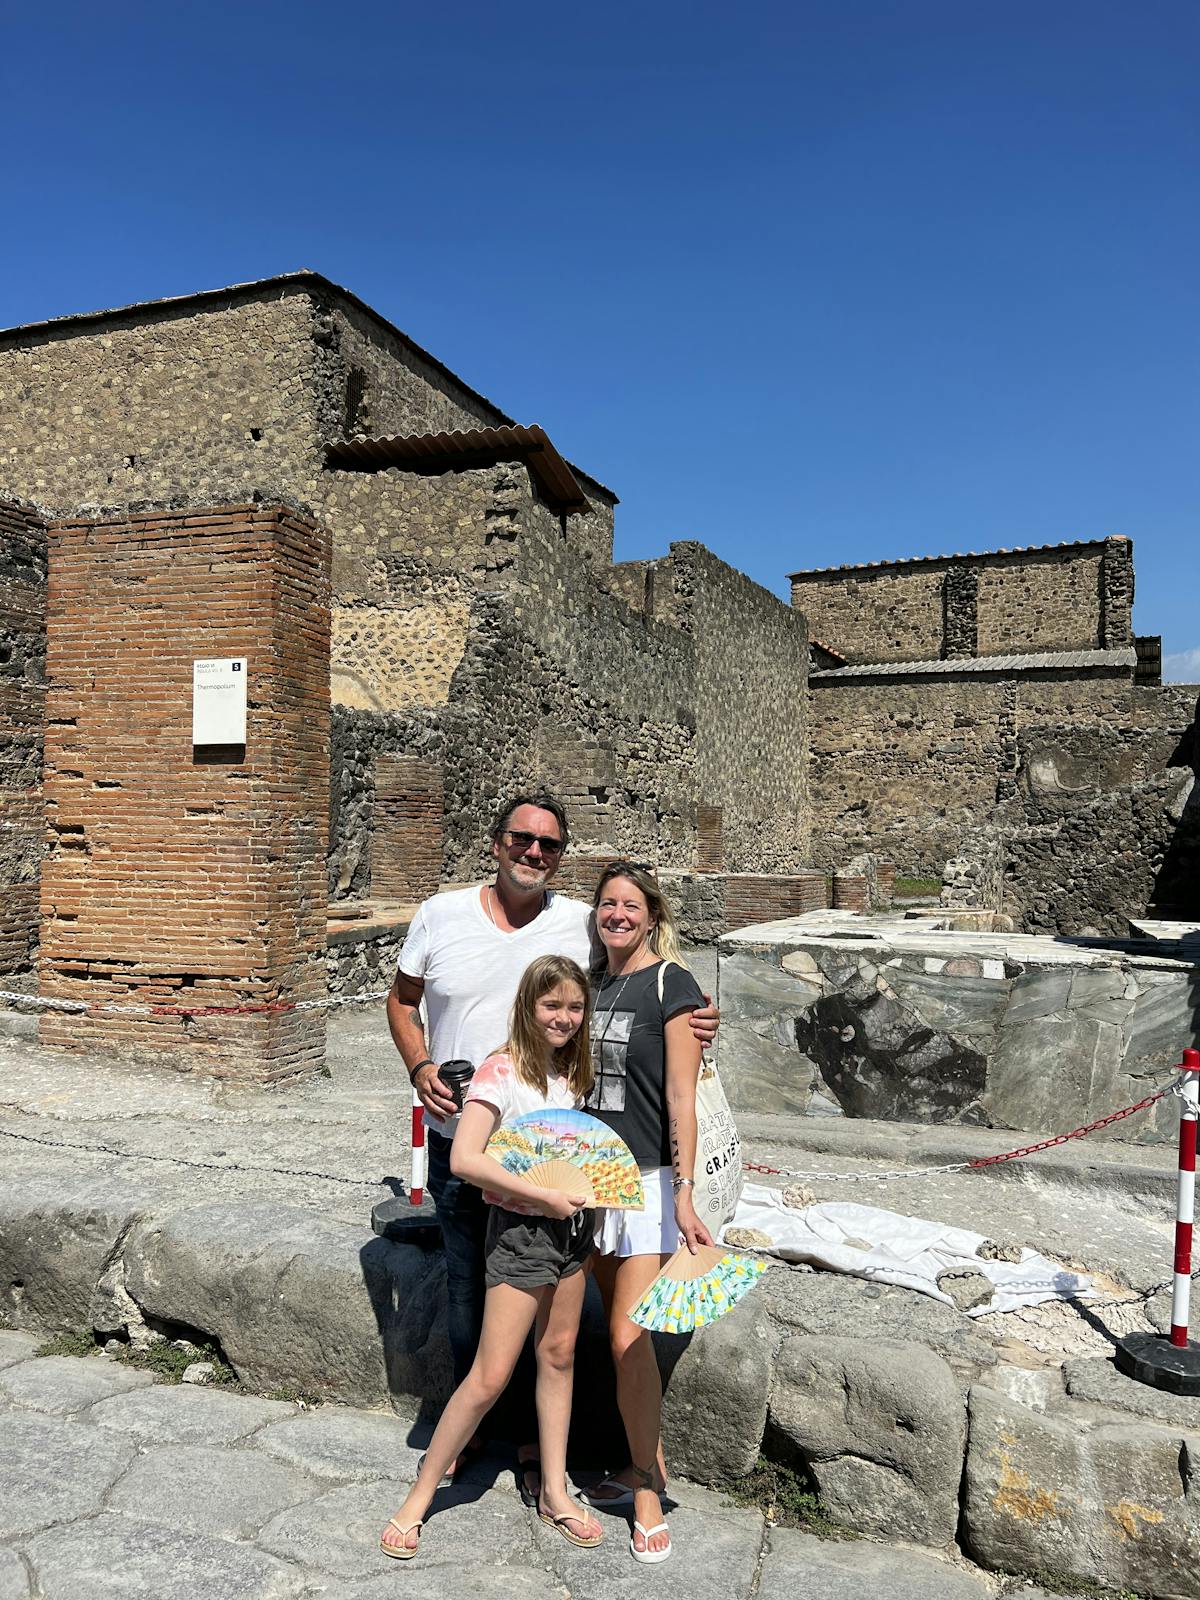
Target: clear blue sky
[{"x": 810, "y": 282}]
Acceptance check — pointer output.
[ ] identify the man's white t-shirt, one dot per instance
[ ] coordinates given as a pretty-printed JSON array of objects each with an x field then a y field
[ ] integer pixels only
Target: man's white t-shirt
[{"x": 471, "y": 970}]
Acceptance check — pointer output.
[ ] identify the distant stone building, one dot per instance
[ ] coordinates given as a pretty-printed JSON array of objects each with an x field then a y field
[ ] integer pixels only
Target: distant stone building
[{"x": 992, "y": 718}]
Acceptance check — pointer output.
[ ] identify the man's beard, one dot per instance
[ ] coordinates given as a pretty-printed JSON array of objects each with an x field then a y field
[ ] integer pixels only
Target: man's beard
[{"x": 524, "y": 885}]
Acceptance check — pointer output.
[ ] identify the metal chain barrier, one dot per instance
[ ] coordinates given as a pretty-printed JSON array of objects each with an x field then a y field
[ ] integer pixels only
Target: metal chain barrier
[{"x": 17, "y": 1000}]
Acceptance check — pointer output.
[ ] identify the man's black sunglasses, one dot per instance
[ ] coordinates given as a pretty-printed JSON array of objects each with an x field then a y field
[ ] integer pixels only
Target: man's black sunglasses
[{"x": 522, "y": 841}]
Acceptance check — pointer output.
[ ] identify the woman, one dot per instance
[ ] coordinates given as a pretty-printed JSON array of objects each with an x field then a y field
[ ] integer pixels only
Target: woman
[{"x": 647, "y": 1061}]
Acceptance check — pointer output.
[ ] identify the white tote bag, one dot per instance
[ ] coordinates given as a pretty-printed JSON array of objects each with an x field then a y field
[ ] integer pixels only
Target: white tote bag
[{"x": 718, "y": 1173}]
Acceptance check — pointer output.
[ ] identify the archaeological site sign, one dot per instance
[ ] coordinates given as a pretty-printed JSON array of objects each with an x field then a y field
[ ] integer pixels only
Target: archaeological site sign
[{"x": 219, "y": 701}]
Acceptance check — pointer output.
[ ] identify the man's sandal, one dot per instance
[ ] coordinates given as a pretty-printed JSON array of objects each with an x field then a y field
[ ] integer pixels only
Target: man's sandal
[
  {"x": 529, "y": 1497},
  {"x": 649, "y": 1557},
  {"x": 622, "y": 1494},
  {"x": 402, "y": 1551},
  {"x": 560, "y": 1523}
]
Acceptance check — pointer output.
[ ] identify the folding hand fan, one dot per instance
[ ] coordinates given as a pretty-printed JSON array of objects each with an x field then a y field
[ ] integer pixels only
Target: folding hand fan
[
  {"x": 565, "y": 1149},
  {"x": 694, "y": 1290}
]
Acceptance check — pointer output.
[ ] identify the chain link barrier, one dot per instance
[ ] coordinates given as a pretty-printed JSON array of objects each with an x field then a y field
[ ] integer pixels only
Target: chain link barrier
[{"x": 16, "y": 1000}]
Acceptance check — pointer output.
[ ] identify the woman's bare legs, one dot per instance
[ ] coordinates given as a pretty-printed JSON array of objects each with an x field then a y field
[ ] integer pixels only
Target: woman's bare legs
[
  {"x": 508, "y": 1315},
  {"x": 622, "y": 1281},
  {"x": 554, "y": 1346}
]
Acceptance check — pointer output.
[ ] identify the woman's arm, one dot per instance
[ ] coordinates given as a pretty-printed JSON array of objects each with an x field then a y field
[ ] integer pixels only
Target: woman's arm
[
  {"x": 476, "y": 1126},
  {"x": 683, "y": 1071}
]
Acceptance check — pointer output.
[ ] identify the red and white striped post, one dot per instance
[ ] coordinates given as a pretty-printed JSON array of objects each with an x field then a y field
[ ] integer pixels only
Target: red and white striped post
[
  {"x": 1185, "y": 1207},
  {"x": 416, "y": 1172}
]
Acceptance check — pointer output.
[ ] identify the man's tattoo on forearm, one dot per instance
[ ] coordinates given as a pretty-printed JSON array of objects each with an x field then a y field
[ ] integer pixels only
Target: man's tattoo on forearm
[{"x": 415, "y": 1018}]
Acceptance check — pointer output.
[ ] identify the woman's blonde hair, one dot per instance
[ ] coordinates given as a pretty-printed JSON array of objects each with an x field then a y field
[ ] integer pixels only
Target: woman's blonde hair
[
  {"x": 527, "y": 1042},
  {"x": 663, "y": 937}
]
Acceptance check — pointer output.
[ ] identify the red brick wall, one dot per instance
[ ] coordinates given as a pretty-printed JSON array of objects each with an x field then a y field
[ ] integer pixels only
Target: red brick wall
[
  {"x": 407, "y": 828},
  {"x": 171, "y": 876},
  {"x": 710, "y": 845},
  {"x": 22, "y": 726},
  {"x": 761, "y": 897}
]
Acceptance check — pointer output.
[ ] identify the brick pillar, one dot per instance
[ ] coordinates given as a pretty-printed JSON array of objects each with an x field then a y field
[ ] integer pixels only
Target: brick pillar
[
  {"x": 22, "y": 729},
  {"x": 177, "y": 876},
  {"x": 407, "y": 828}
]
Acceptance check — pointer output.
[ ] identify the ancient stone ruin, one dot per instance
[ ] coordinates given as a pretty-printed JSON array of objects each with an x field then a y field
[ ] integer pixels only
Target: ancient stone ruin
[{"x": 425, "y": 595}]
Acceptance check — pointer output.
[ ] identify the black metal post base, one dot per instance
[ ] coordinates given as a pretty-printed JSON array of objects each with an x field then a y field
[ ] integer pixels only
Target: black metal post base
[
  {"x": 1152, "y": 1358},
  {"x": 402, "y": 1222}
]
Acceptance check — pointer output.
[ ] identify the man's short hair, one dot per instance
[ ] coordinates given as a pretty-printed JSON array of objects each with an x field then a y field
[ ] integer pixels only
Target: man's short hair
[{"x": 543, "y": 801}]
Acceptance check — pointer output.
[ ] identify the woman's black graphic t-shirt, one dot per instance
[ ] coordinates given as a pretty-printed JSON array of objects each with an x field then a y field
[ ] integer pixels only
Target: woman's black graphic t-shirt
[{"x": 629, "y": 1056}]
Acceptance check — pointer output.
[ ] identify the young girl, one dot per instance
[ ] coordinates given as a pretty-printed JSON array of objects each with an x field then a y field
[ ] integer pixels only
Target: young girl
[{"x": 537, "y": 1243}]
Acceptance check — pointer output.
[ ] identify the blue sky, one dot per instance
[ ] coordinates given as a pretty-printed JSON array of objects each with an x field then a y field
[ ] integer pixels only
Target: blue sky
[{"x": 813, "y": 283}]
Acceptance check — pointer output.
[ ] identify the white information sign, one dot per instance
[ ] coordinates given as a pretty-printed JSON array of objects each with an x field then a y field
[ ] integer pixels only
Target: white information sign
[{"x": 219, "y": 701}]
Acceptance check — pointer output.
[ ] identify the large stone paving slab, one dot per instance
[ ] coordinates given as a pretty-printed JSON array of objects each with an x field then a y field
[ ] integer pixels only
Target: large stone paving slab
[
  {"x": 122, "y": 1558},
  {"x": 62, "y": 1384},
  {"x": 205, "y": 1489},
  {"x": 184, "y": 1414},
  {"x": 14, "y": 1580},
  {"x": 715, "y": 1555},
  {"x": 52, "y": 1470},
  {"x": 16, "y": 1347},
  {"x": 337, "y": 1442},
  {"x": 340, "y": 1532},
  {"x": 798, "y": 1566},
  {"x": 470, "y": 1583}
]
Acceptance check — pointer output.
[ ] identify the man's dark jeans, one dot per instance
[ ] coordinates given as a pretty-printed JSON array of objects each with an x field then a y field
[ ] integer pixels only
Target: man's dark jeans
[{"x": 463, "y": 1217}]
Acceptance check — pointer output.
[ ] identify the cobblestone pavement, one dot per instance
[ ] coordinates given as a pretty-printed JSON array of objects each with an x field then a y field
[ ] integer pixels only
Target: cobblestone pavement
[{"x": 112, "y": 1484}]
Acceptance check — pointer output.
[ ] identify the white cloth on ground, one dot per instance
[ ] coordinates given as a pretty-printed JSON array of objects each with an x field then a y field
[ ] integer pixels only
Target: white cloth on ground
[{"x": 909, "y": 1251}]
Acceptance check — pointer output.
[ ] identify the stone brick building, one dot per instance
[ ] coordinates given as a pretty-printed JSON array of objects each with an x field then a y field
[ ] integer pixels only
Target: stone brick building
[
  {"x": 993, "y": 717},
  {"x": 479, "y": 636}
]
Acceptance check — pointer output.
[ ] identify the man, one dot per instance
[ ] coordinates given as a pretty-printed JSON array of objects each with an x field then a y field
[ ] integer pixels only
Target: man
[{"x": 464, "y": 956}]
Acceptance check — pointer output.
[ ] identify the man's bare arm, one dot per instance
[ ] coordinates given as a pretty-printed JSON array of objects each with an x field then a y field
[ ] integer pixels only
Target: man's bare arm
[{"x": 408, "y": 1035}]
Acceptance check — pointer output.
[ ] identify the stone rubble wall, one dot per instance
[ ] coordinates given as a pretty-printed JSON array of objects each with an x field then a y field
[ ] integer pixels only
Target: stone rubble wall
[
  {"x": 22, "y": 731},
  {"x": 911, "y": 766},
  {"x": 1001, "y": 602}
]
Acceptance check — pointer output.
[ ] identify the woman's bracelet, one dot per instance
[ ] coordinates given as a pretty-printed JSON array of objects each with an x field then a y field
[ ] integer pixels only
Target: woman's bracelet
[
  {"x": 412, "y": 1071},
  {"x": 682, "y": 1183}
]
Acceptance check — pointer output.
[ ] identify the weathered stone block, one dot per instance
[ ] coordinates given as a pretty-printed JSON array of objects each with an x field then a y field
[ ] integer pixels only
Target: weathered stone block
[
  {"x": 1112, "y": 1503},
  {"x": 881, "y": 1426},
  {"x": 293, "y": 1298},
  {"x": 715, "y": 1408},
  {"x": 56, "y": 1239}
]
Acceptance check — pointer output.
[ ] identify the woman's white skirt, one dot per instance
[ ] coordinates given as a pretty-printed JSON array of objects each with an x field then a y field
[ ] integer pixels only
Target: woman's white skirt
[{"x": 652, "y": 1232}]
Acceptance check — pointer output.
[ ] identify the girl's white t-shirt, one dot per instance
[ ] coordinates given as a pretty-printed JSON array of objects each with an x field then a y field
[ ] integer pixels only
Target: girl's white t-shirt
[{"x": 497, "y": 1085}]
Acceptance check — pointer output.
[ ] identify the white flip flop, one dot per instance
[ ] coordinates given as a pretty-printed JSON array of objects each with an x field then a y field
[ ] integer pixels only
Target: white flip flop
[{"x": 648, "y": 1557}]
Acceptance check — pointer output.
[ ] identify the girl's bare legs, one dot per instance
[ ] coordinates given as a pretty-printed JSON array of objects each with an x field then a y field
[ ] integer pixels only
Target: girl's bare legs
[
  {"x": 554, "y": 1345},
  {"x": 508, "y": 1315},
  {"x": 622, "y": 1281}
]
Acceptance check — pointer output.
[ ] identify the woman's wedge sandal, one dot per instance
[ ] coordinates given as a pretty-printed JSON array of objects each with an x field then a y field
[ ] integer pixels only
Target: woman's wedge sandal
[
  {"x": 560, "y": 1523},
  {"x": 649, "y": 1557},
  {"x": 402, "y": 1551}
]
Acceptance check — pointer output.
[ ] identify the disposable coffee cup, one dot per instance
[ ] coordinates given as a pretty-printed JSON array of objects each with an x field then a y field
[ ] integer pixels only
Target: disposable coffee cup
[{"x": 456, "y": 1075}]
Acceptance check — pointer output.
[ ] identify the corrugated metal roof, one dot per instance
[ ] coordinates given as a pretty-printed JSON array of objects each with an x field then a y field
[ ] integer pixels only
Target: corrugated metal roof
[
  {"x": 1054, "y": 659},
  {"x": 478, "y": 447},
  {"x": 967, "y": 555}
]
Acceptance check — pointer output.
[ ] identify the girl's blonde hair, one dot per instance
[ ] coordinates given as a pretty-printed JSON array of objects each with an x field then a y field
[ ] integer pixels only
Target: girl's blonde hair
[
  {"x": 527, "y": 1042},
  {"x": 663, "y": 937}
]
